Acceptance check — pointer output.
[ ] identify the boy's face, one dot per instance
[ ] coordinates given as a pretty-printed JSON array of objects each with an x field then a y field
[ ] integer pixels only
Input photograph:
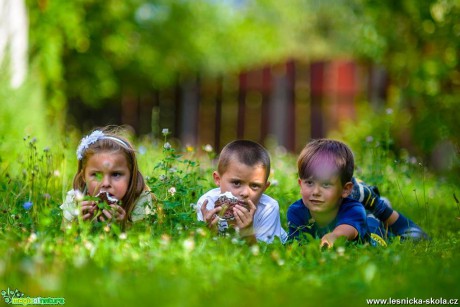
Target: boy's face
[
  {"x": 109, "y": 172},
  {"x": 243, "y": 181},
  {"x": 323, "y": 194}
]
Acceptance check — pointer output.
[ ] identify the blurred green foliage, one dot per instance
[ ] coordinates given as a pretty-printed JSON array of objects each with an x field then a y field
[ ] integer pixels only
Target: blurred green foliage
[{"x": 91, "y": 52}]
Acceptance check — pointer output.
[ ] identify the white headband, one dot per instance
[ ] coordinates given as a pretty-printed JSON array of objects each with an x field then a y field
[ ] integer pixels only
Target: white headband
[{"x": 93, "y": 138}]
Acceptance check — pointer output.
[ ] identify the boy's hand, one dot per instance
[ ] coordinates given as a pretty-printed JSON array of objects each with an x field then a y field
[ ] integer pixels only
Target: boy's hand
[
  {"x": 327, "y": 241},
  {"x": 87, "y": 208},
  {"x": 210, "y": 216},
  {"x": 117, "y": 212},
  {"x": 244, "y": 217},
  {"x": 347, "y": 231}
]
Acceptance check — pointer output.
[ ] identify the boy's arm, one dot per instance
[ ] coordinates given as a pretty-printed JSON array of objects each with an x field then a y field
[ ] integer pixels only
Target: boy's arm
[{"x": 348, "y": 231}]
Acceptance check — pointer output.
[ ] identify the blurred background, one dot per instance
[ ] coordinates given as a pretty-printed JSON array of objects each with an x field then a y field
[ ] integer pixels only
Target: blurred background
[{"x": 277, "y": 72}]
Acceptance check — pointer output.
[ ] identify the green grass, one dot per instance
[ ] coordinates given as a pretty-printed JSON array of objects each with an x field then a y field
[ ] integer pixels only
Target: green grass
[{"x": 175, "y": 261}]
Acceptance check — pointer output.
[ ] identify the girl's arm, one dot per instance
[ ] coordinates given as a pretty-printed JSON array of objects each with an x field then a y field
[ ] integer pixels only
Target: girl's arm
[{"x": 348, "y": 231}]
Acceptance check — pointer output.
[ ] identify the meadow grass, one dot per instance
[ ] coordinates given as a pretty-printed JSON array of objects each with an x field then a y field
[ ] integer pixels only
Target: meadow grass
[{"x": 175, "y": 261}]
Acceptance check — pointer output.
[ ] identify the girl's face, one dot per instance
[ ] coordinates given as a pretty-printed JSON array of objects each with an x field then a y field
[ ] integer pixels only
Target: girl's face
[
  {"x": 243, "y": 181},
  {"x": 107, "y": 172}
]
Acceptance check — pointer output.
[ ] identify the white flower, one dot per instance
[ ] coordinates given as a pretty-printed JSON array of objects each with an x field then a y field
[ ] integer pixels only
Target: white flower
[
  {"x": 87, "y": 141},
  {"x": 369, "y": 139},
  {"x": 165, "y": 131},
  {"x": 78, "y": 195},
  {"x": 123, "y": 236},
  {"x": 69, "y": 208},
  {"x": 188, "y": 244},
  {"x": 274, "y": 183},
  {"x": 167, "y": 145},
  {"x": 162, "y": 177},
  {"x": 255, "y": 250},
  {"x": 389, "y": 111},
  {"x": 207, "y": 148},
  {"x": 172, "y": 191},
  {"x": 32, "y": 237},
  {"x": 340, "y": 250}
]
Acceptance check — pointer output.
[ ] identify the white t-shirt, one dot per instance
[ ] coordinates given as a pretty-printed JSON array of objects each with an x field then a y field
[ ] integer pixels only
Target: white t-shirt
[{"x": 267, "y": 223}]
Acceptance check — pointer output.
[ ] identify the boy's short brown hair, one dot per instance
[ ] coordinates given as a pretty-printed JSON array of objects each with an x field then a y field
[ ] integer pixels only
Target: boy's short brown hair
[
  {"x": 332, "y": 152},
  {"x": 247, "y": 152}
]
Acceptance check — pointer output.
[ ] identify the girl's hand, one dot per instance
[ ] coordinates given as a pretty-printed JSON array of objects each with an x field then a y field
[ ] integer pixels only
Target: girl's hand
[
  {"x": 210, "y": 216},
  {"x": 117, "y": 212},
  {"x": 87, "y": 208}
]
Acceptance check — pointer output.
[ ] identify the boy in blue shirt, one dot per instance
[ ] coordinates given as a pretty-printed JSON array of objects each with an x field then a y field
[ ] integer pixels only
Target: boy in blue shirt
[{"x": 327, "y": 209}]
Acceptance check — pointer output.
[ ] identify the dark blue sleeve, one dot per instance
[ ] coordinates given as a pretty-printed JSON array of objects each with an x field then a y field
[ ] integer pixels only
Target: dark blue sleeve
[
  {"x": 297, "y": 217},
  {"x": 352, "y": 213}
]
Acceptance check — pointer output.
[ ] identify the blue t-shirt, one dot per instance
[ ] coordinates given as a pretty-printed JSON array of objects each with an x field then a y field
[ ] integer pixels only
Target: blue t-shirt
[{"x": 351, "y": 212}]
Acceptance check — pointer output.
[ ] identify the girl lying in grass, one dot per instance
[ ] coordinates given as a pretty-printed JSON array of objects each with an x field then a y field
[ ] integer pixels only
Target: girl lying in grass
[{"x": 108, "y": 185}]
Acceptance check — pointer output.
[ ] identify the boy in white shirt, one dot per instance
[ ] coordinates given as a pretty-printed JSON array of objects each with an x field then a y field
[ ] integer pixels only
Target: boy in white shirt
[{"x": 243, "y": 170}]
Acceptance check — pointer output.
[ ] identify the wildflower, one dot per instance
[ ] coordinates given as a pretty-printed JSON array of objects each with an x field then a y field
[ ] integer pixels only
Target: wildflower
[
  {"x": 165, "y": 239},
  {"x": 142, "y": 150},
  {"x": 369, "y": 138},
  {"x": 162, "y": 177},
  {"x": 88, "y": 245},
  {"x": 165, "y": 131},
  {"x": 188, "y": 244},
  {"x": 57, "y": 173},
  {"x": 340, "y": 250},
  {"x": 172, "y": 191},
  {"x": 167, "y": 145},
  {"x": 123, "y": 236},
  {"x": 274, "y": 183},
  {"x": 255, "y": 250},
  {"x": 207, "y": 148},
  {"x": 32, "y": 237},
  {"x": 172, "y": 170},
  {"x": 78, "y": 195},
  {"x": 27, "y": 205},
  {"x": 107, "y": 228},
  {"x": 389, "y": 111},
  {"x": 46, "y": 149},
  {"x": 201, "y": 232},
  {"x": 189, "y": 148}
]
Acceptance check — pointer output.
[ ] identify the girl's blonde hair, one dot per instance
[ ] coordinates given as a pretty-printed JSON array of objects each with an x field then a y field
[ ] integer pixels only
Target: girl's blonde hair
[{"x": 109, "y": 140}]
